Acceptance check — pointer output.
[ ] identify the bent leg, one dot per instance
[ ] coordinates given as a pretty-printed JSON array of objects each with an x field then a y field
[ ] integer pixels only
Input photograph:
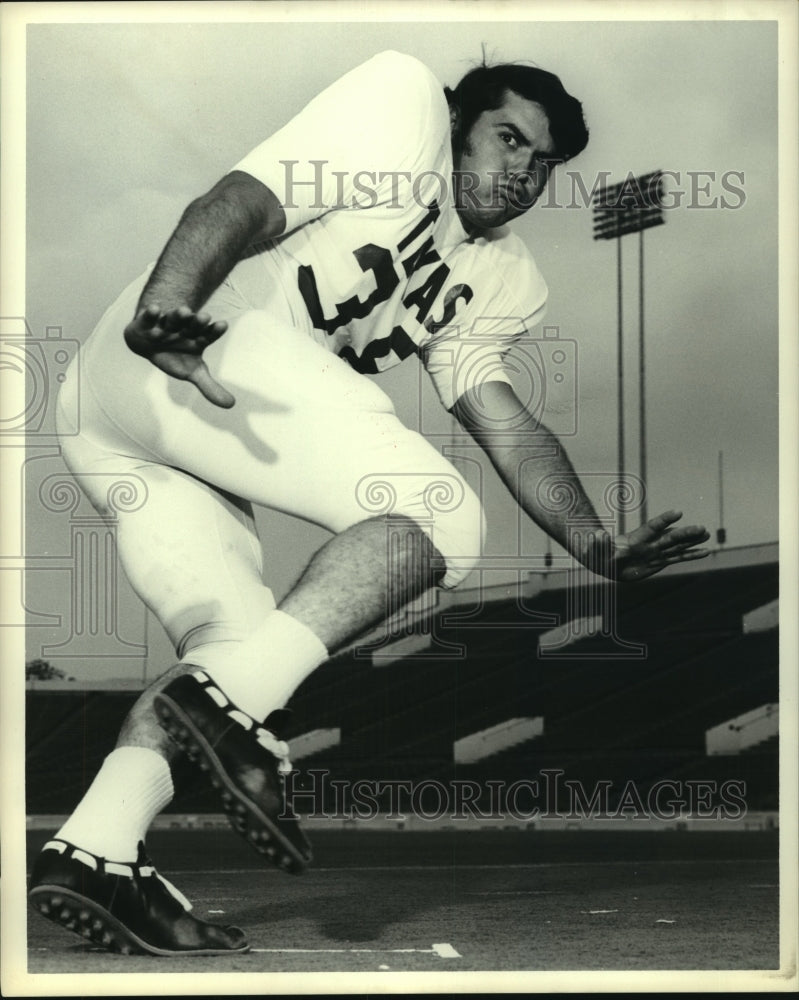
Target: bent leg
[
  {"x": 396, "y": 562},
  {"x": 308, "y": 436},
  {"x": 311, "y": 437}
]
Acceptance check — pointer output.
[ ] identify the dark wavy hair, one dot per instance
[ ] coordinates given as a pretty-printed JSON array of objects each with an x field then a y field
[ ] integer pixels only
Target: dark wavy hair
[{"x": 483, "y": 89}]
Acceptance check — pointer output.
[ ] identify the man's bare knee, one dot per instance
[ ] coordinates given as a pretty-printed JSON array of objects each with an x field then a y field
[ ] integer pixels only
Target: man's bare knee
[{"x": 459, "y": 535}]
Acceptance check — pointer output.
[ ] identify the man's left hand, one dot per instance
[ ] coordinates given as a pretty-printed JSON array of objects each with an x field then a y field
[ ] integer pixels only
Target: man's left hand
[{"x": 651, "y": 547}]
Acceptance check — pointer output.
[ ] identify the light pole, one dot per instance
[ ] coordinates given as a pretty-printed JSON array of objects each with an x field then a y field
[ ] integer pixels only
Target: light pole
[
  {"x": 721, "y": 532},
  {"x": 631, "y": 206}
]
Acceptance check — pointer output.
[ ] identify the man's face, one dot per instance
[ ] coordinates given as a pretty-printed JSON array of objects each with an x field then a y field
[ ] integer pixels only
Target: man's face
[{"x": 502, "y": 166}]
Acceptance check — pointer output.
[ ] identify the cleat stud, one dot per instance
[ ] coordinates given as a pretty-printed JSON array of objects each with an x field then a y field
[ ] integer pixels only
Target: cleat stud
[
  {"x": 56, "y": 900},
  {"x": 64, "y": 914},
  {"x": 44, "y": 908},
  {"x": 97, "y": 925},
  {"x": 107, "y": 939},
  {"x": 84, "y": 915}
]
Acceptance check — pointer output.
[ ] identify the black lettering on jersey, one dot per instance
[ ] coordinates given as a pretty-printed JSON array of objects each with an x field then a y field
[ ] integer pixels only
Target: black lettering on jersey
[
  {"x": 433, "y": 212},
  {"x": 425, "y": 296},
  {"x": 379, "y": 261},
  {"x": 454, "y": 294},
  {"x": 426, "y": 254},
  {"x": 370, "y": 258},
  {"x": 397, "y": 341},
  {"x": 306, "y": 282}
]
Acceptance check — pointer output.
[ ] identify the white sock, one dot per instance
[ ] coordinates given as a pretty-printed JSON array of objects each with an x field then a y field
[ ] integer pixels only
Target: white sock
[
  {"x": 261, "y": 673},
  {"x": 131, "y": 788}
]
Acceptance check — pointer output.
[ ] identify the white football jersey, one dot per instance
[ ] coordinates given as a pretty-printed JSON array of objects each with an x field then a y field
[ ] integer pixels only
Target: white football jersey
[{"x": 374, "y": 263}]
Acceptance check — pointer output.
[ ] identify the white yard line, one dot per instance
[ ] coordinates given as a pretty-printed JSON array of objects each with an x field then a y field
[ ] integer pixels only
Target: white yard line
[
  {"x": 448, "y": 868},
  {"x": 441, "y": 950}
]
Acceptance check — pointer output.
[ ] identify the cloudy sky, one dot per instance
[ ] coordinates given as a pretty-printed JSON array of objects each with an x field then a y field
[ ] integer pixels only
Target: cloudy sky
[{"x": 127, "y": 122}]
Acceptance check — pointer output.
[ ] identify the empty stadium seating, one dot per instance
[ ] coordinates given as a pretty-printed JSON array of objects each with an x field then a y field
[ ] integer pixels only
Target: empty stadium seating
[{"x": 610, "y": 713}]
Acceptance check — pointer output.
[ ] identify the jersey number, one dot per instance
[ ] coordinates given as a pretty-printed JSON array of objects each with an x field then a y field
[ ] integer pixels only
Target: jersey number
[{"x": 372, "y": 258}]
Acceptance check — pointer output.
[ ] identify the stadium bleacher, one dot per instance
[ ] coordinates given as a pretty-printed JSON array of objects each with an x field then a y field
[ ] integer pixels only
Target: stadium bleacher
[{"x": 609, "y": 712}]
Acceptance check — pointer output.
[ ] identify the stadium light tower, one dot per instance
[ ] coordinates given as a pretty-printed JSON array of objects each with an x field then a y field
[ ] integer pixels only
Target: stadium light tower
[{"x": 631, "y": 206}]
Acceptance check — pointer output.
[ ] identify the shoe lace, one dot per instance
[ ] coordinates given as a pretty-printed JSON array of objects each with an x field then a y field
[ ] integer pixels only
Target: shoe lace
[
  {"x": 278, "y": 748},
  {"x": 174, "y": 891}
]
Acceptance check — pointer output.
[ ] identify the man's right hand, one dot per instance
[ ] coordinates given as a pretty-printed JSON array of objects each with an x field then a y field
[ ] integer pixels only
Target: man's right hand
[{"x": 174, "y": 341}]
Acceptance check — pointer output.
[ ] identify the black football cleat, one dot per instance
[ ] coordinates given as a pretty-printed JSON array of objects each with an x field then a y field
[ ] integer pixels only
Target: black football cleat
[
  {"x": 124, "y": 907},
  {"x": 245, "y": 762}
]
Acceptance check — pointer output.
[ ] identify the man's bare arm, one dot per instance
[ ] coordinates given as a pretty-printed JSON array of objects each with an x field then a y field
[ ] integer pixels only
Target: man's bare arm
[
  {"x": 211, "y": 237},
  {"x": 532, "y": 463},
  {"x": 213, "y": 233}
]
